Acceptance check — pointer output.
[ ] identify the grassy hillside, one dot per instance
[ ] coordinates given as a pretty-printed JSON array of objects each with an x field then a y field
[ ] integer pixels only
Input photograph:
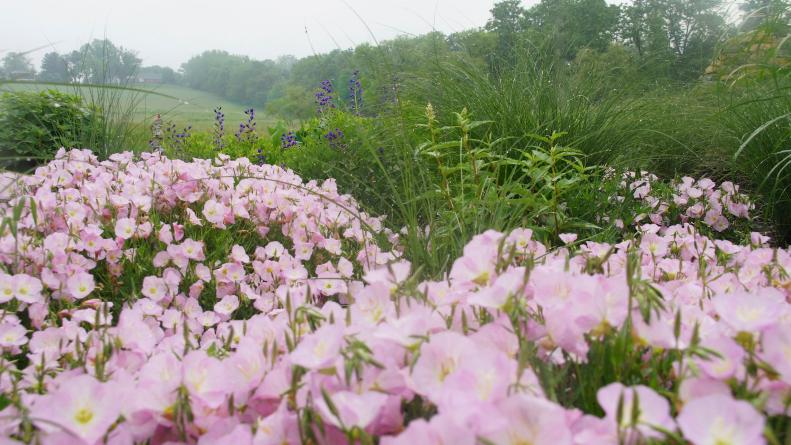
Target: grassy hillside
[{"x": 182, "y": 105}]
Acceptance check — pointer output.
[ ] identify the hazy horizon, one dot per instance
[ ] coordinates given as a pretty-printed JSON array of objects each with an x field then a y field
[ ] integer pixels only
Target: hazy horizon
[{"x": 169, "y": 33}]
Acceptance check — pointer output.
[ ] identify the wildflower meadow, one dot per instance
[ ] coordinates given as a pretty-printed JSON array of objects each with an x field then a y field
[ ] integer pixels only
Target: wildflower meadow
[{"x": 153, "y": 300}]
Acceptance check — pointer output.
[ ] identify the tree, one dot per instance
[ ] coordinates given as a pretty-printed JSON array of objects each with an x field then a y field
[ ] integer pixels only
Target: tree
[
  {"x": 17, "y": 65},
  {"x": 758, "y": 12},
  {"x": 508, "y": 22},
  {"x": 100, "y": 61},
  {"x": 674, "y": 37},
  {"x": 574, "y": 24},
  {"x": 54, "y": 68}
]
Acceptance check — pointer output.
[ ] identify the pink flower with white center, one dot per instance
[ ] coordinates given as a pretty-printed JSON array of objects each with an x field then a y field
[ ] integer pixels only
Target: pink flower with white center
[
  {"x": 695, "y": 211},
  {"x": 750, "y": 312},
  {"x": 238, "y": 254},
  {"x": 12, "y": 335},
  {"x": 529, "y": 420},
  {"x": 694, "y": 192},
  {"x": 354, "y": 410},
  {"x": 248, "y": 366},
  {"x": 473, "y": 269},
  {"x": 230, "y": 273},
  {"x": 74, "y": 212},
  {"x": 154, "y": 288},
  {"x": 27, "y": 289},
  {"x": 80, "y": 406},
  {"x": 568, "y": 238},
  {"x": 509, "y": 284},
  {"x": 653, "y": 409},
  {"x": 720, "y": 224},
  {"x": 303, "y": 251},
  {"x": 319, "y": 349},
  {"x": 442, "y": 429},
  {"x": 728, "y": 364},
  {"x": 280, "y": 427},
  {"x": 80, "y": 285},
  {"x": 274, "y": 249},
  {"x": 205, "y": 378},
  {"x": 6, "y": 287},
  {"x": 331, "y": 285},
  {"x": 207, "y": 318},
  {"x": 214, "y": 212},
  {"x": 719, "y": 419},
  {"x": 193, "y": 249},
  {"x": 345, "y": 267},
  {"x": 165, "y": 234},
  {"x": 203, "y": 272},
  {"x": 777, "y": 350},
  {"x": 332, "y": 246},
  {"x": 483, "y": 376},
  {"x": 439, "y": 358},
  {"x": 125, "y": 228},
  {"x": 227, "y": 305}
]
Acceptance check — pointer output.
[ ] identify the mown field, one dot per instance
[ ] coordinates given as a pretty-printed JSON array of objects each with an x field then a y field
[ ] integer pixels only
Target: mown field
[{"x": 180, "y": 104}]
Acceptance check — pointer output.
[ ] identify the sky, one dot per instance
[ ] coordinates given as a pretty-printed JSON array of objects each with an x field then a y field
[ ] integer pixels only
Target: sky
[{"x": 169, "y": 32}]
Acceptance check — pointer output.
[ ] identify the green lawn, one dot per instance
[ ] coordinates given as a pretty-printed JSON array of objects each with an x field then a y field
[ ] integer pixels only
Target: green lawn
[{"x": 182, "y": 105}]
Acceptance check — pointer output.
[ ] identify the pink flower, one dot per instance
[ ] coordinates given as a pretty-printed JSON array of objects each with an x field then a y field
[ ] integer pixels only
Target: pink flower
[
  {"x": 440, "y": 357},
  {"x": 12, "y": 335},
  {"x": 719, "y": 419},
  {"x": 352, "y": 409},
  {"x": 154, "y": 288},
  {"x": 125, "y": 228},
  {"x": 568, "y": 238},
  {"x": 6, "y": 287},
  {"x": 777, "y": 350},
  {"x": 27, "y": 289},
  {"x": 653, "y": 409},
  {"x": 227, "y": 305},
  {"x": 319, "y": 349},
  {"x": 530, "y": 420},
  {"x": 750, "y": 312},
  {"x": 80, "y": 285},
  {"x": 81, "y": 406},
  {"x": 214, "y": 212}
]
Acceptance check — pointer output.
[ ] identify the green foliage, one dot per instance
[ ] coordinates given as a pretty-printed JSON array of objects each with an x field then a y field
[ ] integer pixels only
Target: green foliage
[{"x": 34, "y": 125}]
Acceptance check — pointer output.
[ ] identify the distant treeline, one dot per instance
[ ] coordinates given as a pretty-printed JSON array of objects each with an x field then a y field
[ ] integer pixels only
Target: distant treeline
[{"x": 658, "y": 40}]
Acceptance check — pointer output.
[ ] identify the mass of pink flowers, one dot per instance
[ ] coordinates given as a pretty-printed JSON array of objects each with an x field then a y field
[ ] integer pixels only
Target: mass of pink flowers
[
  {"x": 686, "y": 200},
  {"x": 219, "y": 302}
]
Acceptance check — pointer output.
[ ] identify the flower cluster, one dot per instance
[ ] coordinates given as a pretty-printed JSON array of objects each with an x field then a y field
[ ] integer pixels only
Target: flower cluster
[
  {"x": 356, "y": 92},
  {"x": 686, "y": 200},
  {"x": 246, "y": 131},
  {"x": 219, "y": 129},
  {"x": 335, "y": 138},
  {"x": 324, "y": 96},
  {"x": 288, "y": 140},
  {"x": 175, "y": 137},
  {"x": 115, "y": 288}
]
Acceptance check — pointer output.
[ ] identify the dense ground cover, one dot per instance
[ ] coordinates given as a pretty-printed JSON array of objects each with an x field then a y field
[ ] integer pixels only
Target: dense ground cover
[{"x": 227, "y": 302}]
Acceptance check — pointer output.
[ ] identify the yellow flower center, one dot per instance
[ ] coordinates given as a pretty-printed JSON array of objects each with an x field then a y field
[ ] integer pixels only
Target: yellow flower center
[{"x": 83, "y": 416}]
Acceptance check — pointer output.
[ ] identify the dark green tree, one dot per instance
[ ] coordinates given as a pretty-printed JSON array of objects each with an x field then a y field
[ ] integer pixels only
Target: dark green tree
[{"x": 54, "y": 68}]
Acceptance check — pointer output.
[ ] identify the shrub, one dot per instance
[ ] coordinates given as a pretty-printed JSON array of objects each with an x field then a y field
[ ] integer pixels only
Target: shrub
[{"x": 34, "y": 125}]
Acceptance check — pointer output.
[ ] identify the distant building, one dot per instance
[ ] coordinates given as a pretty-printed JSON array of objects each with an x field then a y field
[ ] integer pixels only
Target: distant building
[
  {"x": 22, "y": 75},
  {"x": 154, "y": 78}
]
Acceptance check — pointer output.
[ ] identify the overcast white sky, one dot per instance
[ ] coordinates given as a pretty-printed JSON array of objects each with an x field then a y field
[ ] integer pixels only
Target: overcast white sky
[{"x": 168, "y": 32}]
